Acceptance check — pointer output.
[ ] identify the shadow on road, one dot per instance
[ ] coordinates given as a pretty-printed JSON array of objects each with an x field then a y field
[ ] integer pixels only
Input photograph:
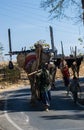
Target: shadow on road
[
  {"x": 73, "y": 117},
  {"x": 19, "y": 101}
]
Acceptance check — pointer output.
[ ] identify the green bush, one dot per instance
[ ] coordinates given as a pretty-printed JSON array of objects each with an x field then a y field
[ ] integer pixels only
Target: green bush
[{"x": 11, "y": 75}]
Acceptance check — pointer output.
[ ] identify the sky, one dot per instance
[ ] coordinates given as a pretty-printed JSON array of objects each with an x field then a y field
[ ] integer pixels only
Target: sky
[{"x": 29, "y": 23}]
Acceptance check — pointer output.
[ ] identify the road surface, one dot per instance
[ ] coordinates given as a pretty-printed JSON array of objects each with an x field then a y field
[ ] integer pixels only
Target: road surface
[{"x": 18, "y": 114}]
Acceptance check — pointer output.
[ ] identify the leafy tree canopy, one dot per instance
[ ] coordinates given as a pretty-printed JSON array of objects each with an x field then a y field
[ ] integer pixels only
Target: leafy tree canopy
[
  {"x": 69, "y": 9},
  {"x": 1, "y": 49},
  {"x": 42, "y": 42}
]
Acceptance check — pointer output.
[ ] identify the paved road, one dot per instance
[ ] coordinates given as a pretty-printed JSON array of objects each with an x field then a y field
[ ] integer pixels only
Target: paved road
[{"x": 19, "y": 115}]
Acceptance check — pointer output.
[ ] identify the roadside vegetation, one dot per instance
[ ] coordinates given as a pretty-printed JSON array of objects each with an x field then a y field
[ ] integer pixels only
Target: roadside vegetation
[
  {"x": 17, "y": 77},
  {"x": 12, "y": 77}
]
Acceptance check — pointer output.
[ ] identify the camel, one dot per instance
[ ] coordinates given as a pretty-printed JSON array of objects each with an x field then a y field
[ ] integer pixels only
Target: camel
[{"x": 31, "y": 63}]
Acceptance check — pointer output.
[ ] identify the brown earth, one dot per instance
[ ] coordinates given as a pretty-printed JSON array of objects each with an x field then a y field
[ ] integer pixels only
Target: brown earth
[{"x": 25, "y": 82}]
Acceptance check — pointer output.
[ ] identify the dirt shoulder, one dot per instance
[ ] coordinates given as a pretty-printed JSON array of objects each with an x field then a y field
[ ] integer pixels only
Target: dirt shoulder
[{"x": 11, "y": 86}]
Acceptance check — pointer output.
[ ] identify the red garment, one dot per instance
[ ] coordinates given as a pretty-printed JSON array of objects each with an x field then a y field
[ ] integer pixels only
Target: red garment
[{"x": 65, "y": 72}]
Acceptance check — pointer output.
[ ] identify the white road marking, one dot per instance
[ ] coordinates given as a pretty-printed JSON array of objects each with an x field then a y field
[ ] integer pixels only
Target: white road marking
[
  {"x": 11, "y": 121},
  {"x": 27, "y": 120},
  {"x": 26, "y": 117},
  {"x": 8, "y": 118}
]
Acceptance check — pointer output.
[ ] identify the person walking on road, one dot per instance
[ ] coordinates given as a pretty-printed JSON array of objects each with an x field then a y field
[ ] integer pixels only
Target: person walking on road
[
  {"x": 45, "y": 87},
  {"x": 74, "y": 87},
  {"x": 66, "y": 75}
]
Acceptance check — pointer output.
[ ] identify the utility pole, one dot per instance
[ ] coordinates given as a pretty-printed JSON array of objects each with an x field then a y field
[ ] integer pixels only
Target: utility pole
[
  {"x": 75, "y": 51},
  {"x": 10, "y": 47},
  {"x": 62, "y": 49},
  {"x": 51, "y": 36}
]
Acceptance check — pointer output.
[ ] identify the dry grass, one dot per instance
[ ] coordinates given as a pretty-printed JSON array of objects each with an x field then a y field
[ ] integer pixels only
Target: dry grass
[{"x": 4, "y": 86}]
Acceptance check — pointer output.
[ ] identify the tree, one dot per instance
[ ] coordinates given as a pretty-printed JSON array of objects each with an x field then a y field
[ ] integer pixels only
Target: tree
[
  {"x": 81, "y": 41},
  {"x": 42, "y": 42},
  {"x": 1, "y": 51},
  {"x": 60, "y": 9}
]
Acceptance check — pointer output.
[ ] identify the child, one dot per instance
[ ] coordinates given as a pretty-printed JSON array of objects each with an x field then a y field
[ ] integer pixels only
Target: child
[{"x": 66, "y": 76}]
